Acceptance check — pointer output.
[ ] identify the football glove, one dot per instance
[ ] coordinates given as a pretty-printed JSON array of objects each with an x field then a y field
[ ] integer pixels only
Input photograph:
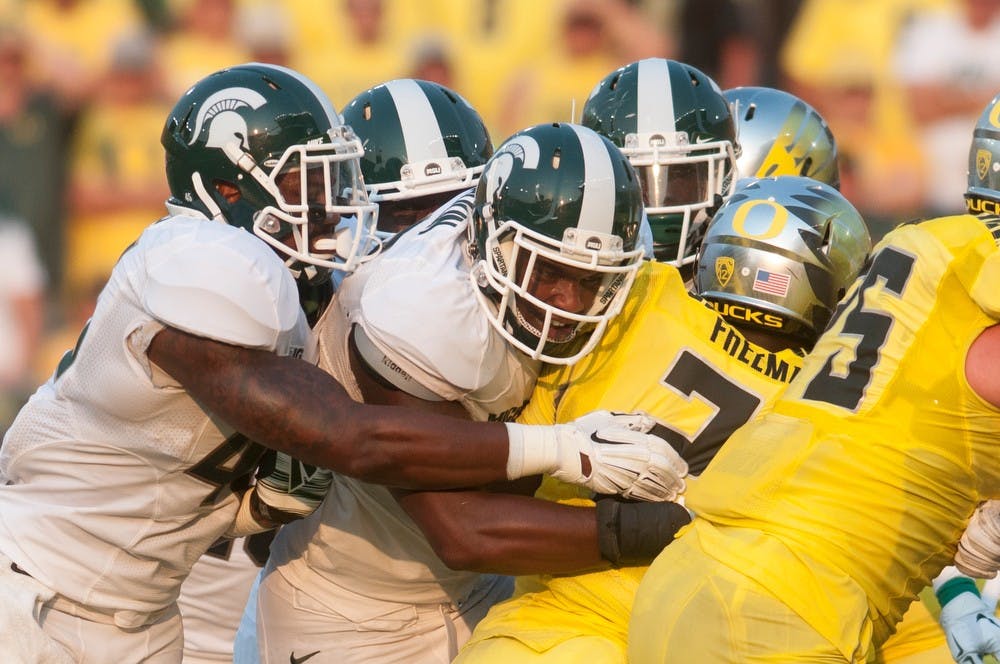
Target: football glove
[
  {"x": 970, "y": 627},
  {"x": 979, "y": 549},
  {"x": 603, "y": 451},
  {"x": 290, "y": 489},
  {"x": 633, "y": 533}
]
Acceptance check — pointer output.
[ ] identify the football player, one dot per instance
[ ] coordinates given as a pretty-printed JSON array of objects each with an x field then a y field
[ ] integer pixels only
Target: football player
[
  {"x": 773, "y": 261},
  {"x": 780, "y": 133},
  {"x": 128, "y": 463},
  {"x": 554, "y": 618},
  {"x": 819, "y": 522},
  {"x": 423, "y": 143},
  {"x": 458, "y": 314}
]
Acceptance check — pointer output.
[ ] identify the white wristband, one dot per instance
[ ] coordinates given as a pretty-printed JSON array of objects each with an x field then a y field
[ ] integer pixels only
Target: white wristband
[
  {"x": 531, "y": 450},
  {"x": 947, "y": 574}
]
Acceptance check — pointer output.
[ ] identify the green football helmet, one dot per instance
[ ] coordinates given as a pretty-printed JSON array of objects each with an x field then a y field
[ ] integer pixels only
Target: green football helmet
[
  {"x": 271, "y": 134},
  {"x": 779, "y": 134},
  {"x": 423, "y": 144},
  {"x": 556, "y": 203},
  {"x": 780, "y": 254},
  {"x": 673, "y": 124},
  {"x": 983, "y": 194}
]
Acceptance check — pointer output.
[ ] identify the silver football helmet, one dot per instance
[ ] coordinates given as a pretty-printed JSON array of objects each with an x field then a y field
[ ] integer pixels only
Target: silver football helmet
[
  {"x": 983, "y": 194},
  {"x": 780, "y": 134},
  {"x": 780, "y": 253}
]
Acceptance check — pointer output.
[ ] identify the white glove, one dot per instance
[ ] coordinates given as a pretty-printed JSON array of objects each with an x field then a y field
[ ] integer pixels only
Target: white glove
[
  {"x": 621, "y": 456},
  {"x": 979, "y": 549},
  {"x": 970, "y": 628}
]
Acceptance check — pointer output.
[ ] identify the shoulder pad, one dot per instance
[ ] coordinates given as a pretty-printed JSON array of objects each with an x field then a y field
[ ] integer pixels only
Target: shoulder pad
[{"x": 217, "y": 281}]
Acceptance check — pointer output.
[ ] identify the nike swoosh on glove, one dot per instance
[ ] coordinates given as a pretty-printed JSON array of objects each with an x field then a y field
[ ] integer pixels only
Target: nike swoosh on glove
[{"x": 603, "y": 451}]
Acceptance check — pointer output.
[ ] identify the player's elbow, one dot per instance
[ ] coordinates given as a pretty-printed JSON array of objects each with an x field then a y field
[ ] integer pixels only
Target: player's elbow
[{"x": 467, "y": 552}]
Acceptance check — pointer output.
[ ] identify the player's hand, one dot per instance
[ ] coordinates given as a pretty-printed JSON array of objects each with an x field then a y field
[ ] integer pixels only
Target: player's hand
[
  {"x": 634, "y": 533},
  {"x": 631, "y": 463},
  {"x": 290, "y": 489},
  {"x": 970, "y": 628},
  {"x": 979, "y": 549},
  {"x": 603, "y": 451}
]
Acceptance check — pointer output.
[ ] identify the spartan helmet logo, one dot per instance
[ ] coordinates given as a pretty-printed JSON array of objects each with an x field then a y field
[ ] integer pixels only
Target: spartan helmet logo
[
  {"x": 522, "y": 148},
  {"x": 227, "y": 129},
  {"x": 724, "y": 268},
  {"x": 983, "y": 160}
]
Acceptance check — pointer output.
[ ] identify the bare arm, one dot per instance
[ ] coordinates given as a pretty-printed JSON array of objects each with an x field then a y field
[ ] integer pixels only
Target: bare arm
[
  {"x": 981, "y": 363},
  {"x": 505, "y": 533},
  {"x": 514, "y": 534},
  {"x": 294, "y": 407}
]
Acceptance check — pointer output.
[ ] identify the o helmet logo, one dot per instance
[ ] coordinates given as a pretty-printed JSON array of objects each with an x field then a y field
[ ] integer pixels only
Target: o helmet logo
[
  {"x": 725, "y": 266},
  {"x": 779, "y": 218},
  {"x": 983, "y": 160},
  {"x": 994, "y": 116},
  {"x": 225, "y": 124}
]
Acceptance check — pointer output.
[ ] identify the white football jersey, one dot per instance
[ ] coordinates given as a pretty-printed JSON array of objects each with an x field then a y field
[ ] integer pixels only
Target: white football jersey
[
  {"x": 215, "y": 594},
  {"x": 416, "y": 305},
  {"x": 115, "y": 480}
]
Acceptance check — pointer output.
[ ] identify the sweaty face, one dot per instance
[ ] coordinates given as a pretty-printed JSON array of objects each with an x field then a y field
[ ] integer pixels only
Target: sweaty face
[{"x": 559, "y": 286}]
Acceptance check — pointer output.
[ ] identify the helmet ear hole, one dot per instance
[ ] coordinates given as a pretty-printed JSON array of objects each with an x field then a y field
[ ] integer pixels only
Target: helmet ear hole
[{"x": 227, "y": 190}]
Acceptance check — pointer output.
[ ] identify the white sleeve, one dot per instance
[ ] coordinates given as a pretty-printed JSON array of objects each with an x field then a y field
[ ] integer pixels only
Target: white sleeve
[
  {"x": 431, "y": 325},
  {"x": 219, "y": 282}
]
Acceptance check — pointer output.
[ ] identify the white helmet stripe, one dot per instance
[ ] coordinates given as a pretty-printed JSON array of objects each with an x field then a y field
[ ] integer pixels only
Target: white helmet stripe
[
  {"x": 655, "y": 103},
  {"x": 597, "y": 209},
  {"x": 331, "y": 112},
  {"x": 421, "y": 133}
]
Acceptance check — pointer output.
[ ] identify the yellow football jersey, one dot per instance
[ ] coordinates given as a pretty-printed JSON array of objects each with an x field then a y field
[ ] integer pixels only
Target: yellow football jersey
[
  {"x": 848, "y": 496},
  {"x": 672, "y": 356}
]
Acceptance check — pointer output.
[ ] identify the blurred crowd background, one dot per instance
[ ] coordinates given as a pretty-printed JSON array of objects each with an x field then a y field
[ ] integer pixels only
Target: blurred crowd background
[{"x": 85, "y": 86}]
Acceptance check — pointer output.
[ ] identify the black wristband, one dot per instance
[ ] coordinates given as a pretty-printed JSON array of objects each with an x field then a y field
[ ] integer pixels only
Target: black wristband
[{"x": 633, "y": 532}]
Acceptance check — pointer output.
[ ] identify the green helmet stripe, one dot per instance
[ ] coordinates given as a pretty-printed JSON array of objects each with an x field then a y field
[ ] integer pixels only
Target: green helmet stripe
[
  {"x": 597, "y": 209},
  {"x": 421, "y": 133},
  {"x": 655, "y": 103}
]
